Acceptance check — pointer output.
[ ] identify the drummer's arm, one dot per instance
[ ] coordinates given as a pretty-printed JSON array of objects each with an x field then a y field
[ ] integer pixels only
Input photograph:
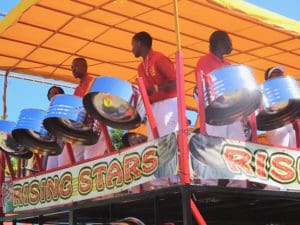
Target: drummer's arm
[
  {"x": 167, "y": 86},
  {"x": 161, "y": 87}
]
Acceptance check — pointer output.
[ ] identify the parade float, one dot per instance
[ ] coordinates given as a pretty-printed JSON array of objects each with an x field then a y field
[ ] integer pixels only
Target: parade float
[{"x": 42, "y": 37}]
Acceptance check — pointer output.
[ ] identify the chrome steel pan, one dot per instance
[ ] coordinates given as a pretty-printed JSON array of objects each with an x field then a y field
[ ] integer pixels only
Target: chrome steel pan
[
  {"x": 8, "y": 144},
  {"x": 67, "y": 119},
  {"x": 30, "y": 132},
  {"x": 109, "y": 101},
  {"x": 281, "y": 103},
  {"x": 230, "y": 94}
]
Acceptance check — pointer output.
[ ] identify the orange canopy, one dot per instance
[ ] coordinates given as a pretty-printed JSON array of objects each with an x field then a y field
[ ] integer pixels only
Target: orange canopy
[{"x": 41, "y": 37}]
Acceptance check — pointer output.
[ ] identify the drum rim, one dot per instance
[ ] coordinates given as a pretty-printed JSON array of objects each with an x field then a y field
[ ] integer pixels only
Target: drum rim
[
  {"x": 68, "y": 134},
  {"x": 36, "y": 145},
  {"x": 285, "y": 116},
  {"x": 92, "y": 110}
]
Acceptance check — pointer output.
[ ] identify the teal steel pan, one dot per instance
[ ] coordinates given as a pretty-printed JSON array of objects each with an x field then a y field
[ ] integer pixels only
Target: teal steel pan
[
  {"x": 67, "y": 119},
  {"x": 8, "y": 144},
  {"x": 29, "y": 131}
]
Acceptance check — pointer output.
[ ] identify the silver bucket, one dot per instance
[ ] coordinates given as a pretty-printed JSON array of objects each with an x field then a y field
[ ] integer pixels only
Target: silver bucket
[
  {"x": 8, "y": 144},
  {"x": 109, "y": 101},
  {"x": 30, "y": 132},
  {"x": 281, "y": 103},
  {"x": 67, "y": 119},
  {"x": 231, "y": 94}
]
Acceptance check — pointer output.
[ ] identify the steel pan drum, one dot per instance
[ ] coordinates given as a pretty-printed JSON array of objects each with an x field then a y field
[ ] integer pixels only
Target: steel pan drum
[
  {"x": 109, "y": 101},
  {"x": 8, "y": 144},
  {"x": 281, "y": 103},
  {"x": 67, "y": 119},
  {"x": 230, "y": 94},
  {"x": 30, "y": 132}
]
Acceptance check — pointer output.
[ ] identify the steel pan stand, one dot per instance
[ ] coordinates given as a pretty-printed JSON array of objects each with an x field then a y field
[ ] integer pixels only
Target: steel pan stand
[
  {"x": 105, "y": 132},
  {"x": 38, "y": 161},
  {"x": 107, "y": 140},
  {"x": 148, "y": 109},
  {"x": 296, "y": 126},
  {"x": 21, "y": 167},
  {"x": 253, "y": 127},
  {"x": 70, "y": 152},
  {"x": 6, "y": 161},
  {"x": 201, "y": 103}
]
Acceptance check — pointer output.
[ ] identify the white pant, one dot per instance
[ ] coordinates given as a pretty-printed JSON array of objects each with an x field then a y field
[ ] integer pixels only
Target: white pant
[
  {"x": 234, "y": 131},
  {"x": 166, "y": 117},
  {"x": 283, "y": 136},
  {"x": 80, "y": 152},
  {"x": 52, "y": 162}
]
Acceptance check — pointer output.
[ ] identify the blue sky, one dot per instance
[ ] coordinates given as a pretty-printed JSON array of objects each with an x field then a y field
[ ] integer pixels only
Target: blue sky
[
  {"x": 288, "y": 8},
  {"x": 23, "y": 94}
]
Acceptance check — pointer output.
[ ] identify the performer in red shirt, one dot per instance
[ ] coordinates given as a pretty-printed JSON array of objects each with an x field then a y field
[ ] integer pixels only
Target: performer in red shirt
[
  {"x": 219, "y": 45},
  {"x": 79, "y": 70},
  {"x": 159, "y": 76},
  {"x": 286, "y": 135}
]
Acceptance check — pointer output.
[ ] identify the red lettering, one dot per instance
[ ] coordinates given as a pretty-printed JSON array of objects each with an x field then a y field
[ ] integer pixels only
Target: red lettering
[
  {"x": 238, "y": 160},
  {"x": 17, "y": 195},
  {"x": 149, "y": 161},
  {"x": 98, "y": 173},
  {"x": 132, "y": 169},
  {"x": 281, "y": 168},
  {"x": 34, "y": 193},
  {"x": 298, "y": 169},
  {"x": 66, "y": 186},
  {"x": 85, "y": 182},
  {"x": 25, "y": 194},
  {"x": 43, "y": 190},
  {"x": 114, "y": 174},
  {"x": 52, "y": 189},
  {"x": 260, "y": 164}
]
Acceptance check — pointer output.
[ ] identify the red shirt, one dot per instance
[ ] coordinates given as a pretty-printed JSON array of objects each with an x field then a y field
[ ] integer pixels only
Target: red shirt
[
  {"x": 210, "y": 62},
  {"x": 207, "y": 64},
  {"x": 157, "y": 69},
  {"x": 81, "y": 90},
  {"x": 84, "y": 86}
]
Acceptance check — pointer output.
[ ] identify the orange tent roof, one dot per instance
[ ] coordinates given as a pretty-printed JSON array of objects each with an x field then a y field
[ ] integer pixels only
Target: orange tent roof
[{"x": 41, "y": 37}]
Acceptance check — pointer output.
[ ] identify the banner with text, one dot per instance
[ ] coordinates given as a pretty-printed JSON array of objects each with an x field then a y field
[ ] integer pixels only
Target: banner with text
[
  {"x": 211, "y": 158},
  {"x": 220, "y": 158},
  {"x": 95, "y": 178}
]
